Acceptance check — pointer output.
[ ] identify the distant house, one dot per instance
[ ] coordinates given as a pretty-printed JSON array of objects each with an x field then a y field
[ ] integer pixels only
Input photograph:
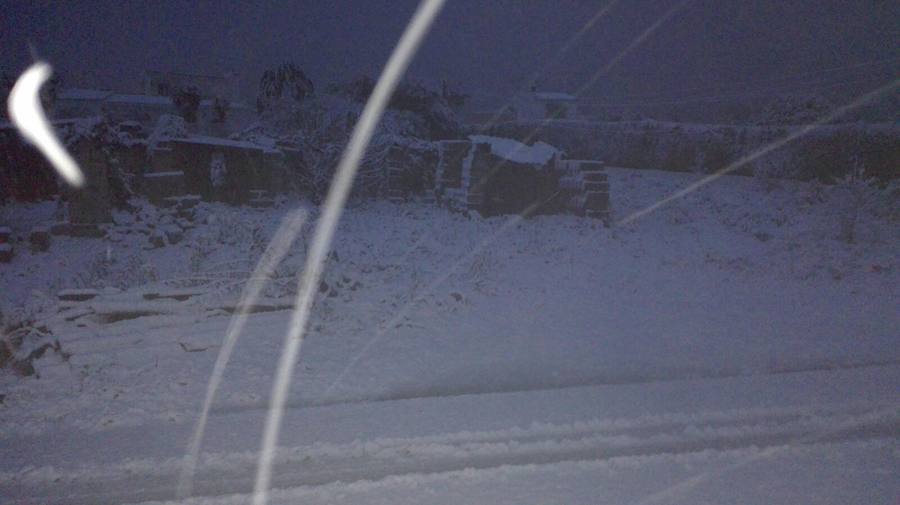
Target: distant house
[
  {"x": 76, "y": 102},
  {"x": 216, "y": 118},
  {"x": 540, "y": 105},
  {"x": 158, "y": 83},
  {"x": 145, "y": 109}
]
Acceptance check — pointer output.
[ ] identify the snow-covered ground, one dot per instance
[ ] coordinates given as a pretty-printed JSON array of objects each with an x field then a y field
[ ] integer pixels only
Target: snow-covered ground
[{"x": 726, "y": 348}]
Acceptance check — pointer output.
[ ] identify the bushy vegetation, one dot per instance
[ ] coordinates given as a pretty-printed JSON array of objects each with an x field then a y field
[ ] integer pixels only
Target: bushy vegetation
[
  {"x": 317, "y": 126},
  {"x": 282, "y": 91},
  {"x": 824, "y": 154},
  {"x": 187, "y": 102}
]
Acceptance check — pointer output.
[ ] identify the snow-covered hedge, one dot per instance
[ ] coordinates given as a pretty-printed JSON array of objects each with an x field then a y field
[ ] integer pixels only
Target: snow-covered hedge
[{"x": 826, "y": 153}]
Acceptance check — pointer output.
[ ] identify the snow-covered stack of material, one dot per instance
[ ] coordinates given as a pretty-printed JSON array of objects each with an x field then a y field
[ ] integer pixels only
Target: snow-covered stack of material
[
  {"x": 539, "y": 153},
  {"x": 495, "y": 176}
]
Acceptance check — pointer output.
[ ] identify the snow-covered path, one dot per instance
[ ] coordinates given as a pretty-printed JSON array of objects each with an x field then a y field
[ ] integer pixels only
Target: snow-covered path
[{"x": 724, "y": 426}]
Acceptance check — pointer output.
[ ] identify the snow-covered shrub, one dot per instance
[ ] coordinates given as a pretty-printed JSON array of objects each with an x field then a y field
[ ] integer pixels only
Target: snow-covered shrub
[
  {"x": 327, "y": 127},
  {"x": 187, "y": 101},
  {"x": 23, "y": 339},
  {"x": 108, "y": 271},
  {"x": 430, "y": 113},
  {"x": 430, "y": 108},
  {"x": 771, "y": 167},
  {"x": 320, "y": 130},
  {"x": 482, "y": 269},
  {"x": 794, "y": 109},
  {"x": 318, "y": 127},
  {"x": 201, "y": 248},
  {"x": 856, "y": 192}
]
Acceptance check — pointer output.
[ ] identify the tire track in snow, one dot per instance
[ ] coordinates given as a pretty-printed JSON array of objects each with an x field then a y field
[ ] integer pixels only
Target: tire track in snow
[
  {"x": 550, "y": 384},
  {"x": 540, "y": 444}
]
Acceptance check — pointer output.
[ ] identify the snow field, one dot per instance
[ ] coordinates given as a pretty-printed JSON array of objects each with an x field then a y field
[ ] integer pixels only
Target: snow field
[{"x": 731, "y": 322}]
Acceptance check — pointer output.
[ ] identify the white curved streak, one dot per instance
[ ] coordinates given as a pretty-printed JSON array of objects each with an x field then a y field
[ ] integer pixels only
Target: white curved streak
[
  {"x": 27, "y": 115},
  {"x": 334, "y": 204},
  {"x": 277, "y": 249}
]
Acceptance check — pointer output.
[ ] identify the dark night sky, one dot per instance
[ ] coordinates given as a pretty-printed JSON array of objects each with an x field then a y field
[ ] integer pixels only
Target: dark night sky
[{"x": 489, "y": 46}]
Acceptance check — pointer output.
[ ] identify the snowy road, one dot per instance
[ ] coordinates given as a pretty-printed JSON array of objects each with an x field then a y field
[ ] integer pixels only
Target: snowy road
[{"x": 724, "y": 426}]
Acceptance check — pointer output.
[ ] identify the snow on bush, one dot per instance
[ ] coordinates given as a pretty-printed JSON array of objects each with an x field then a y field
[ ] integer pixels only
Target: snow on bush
[
  {"x": 858, "y": 193},
  {"x": 538, "y": 154},
  {"x": 320, "y": 129},
  {"x": 24, "y": 339}
]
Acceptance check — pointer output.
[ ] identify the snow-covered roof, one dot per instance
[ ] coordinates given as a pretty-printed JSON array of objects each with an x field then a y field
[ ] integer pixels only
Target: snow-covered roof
[
  {"x": 513, "y": 150},
  {"x": 223, "y": 142},
  {"x": 554, "y": 96},
  {"x": 162, "y": 175},
  {"x": 140, "y": 99},
  {"x": 109, "y": 96},
  {"x": 83, "y": 94}
]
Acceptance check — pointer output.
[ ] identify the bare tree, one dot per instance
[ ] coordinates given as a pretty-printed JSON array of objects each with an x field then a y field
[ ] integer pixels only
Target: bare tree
[{"x": 281, "y": 92}]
